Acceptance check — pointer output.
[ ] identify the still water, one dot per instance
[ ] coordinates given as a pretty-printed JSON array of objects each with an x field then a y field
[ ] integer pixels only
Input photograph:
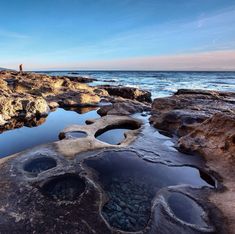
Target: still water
[{"x": 16, "y": 140}]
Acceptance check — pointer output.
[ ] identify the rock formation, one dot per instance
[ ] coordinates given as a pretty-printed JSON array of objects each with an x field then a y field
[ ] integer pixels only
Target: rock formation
[
  {"x": 205, "y": 123},
  {"x": 64, "y": 179},
  {"x": 180, "y": 113},
  {"x": 30, "y": 94}
]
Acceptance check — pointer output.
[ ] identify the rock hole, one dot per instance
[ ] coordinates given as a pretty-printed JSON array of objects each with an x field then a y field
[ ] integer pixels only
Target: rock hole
[
  {"x": 64, "y": 188},
  {"x": 114, "y": 134},
  {"x": 186, "y": 209},
  {"x": 38, "y": 165},
  {"x": 72, "y": 135},
  {"x": 206, "y": 177},
  {"x": 131, "y": 187}
]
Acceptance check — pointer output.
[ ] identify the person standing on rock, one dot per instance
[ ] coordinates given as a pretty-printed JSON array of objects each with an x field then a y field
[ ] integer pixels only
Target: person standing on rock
[{"x": 21, "y": 68}]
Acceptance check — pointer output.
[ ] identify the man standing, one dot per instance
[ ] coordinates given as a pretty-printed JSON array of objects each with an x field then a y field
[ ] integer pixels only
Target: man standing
[{"x": 21, "y": 68}]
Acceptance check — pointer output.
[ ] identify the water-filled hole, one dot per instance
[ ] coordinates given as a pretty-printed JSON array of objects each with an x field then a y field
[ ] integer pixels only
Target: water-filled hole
[
  {"x": 76, "y": 134},
  {"x": 114, "y": 134},
  {"x": 186, "y": 209},
  {"x": 38, "y": 165},
  {"x": 207, "y": 178},
  {"x": 131, "y": 187},
  {"x": 72, "y": 135},
  {"x": 64, "y": 188}
]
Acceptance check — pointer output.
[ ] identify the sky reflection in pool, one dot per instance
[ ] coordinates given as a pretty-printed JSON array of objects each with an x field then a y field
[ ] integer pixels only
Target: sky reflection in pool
[{"x": 16, "y": 140}]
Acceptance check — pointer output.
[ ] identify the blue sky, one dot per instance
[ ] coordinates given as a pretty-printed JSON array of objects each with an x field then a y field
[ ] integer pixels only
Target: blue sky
[{"x": 123, "y": 34}]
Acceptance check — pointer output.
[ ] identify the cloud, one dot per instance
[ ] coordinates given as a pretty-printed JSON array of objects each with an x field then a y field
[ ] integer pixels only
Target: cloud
[
  {"x": 174, "y": 45},
  {"x": 10, "y": 34}
]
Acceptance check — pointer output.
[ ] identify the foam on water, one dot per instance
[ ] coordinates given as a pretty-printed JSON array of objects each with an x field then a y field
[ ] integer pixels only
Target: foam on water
[{"x": 162, "y": 84}]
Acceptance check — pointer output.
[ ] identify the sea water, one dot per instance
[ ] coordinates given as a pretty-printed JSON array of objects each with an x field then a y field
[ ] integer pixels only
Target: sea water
[{"x": 160, "y": 84}]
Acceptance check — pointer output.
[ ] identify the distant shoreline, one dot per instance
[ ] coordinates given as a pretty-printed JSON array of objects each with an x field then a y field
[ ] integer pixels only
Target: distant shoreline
[{"x": 164, "y": 71}]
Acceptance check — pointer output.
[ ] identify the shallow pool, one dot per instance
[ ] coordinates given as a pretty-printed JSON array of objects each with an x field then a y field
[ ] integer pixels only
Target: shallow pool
[{"x": 16, "y": 140}]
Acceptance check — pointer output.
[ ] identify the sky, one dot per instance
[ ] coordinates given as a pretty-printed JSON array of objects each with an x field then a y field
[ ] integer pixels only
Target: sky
[{"x": 118, "y": 34}]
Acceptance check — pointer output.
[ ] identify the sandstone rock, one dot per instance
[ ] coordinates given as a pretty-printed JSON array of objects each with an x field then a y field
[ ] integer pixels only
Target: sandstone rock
[
  {"x": 101, "y": 92},
  {"x": 25, "y": 95},
  {"x": 215, "y": 140},
  {"x": 3, "y": 85},
  {"x": 186, "y": 109},
  {"x": 18, "y": 106},
  {"x": 206, "y": 122},
  {"x": 215, "y": 137},
  {"x": 128, "y": 93},
  {"x": 123, "y": 107},
  {"x": 2, "y": 121},
  {"x": 78, "y": 99},
  {"x": 53, "y": 105},
  {"x": 37, "y": 107}
]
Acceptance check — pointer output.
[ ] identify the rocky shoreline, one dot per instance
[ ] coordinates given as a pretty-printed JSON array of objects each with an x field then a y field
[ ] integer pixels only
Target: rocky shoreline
[
  {"x": 203, "y": 123},
  {"x": 31, "y": 95}
]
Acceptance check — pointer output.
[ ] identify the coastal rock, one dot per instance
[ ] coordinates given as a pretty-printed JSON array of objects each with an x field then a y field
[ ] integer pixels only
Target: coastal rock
[
  {"x": 80, "y": 79},
  {"x": 37, "y": 107},
  {"x": 182, "y": 112},
  {"x": 56, "y": 187},
  {"x": 28, "y": 106},
  {"x": 26, "y": 94},
  {"x": 30, "y": 94},
  {"x": 3, "y": 85},
  {"x": 78, "y": 99},
  {"x": 205, "y": 123},
  {"x": 128, "y": 93},
  {"x": 123, "y": 107},
  {"x": 215, "y": 140},
  {"x": 2, "y": 121}
]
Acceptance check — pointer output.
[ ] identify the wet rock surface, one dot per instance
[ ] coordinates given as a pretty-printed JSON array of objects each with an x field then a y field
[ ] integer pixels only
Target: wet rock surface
[
  {"x": 120, "y": 106},
  {"x": 143, "y": 184},
  {"x": 101, "y": 188},
  {"x": 204, "y": 121},
  {"x": 38, "y": 165},
  {"x": 64, "y": 188},
  {"x": 131, "y": 187},
  {"x": 186, "y": 109},
  {"x": 186, "y": 209},
  {"x": 73, "y": 135},
  {"x": 115, "y": 134}
]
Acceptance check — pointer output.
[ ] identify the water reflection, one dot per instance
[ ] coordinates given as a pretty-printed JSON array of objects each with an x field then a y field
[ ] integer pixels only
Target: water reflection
[
  {"x": 16, "y": 140},
  {"x": 186, "y": 209},
  {"x": 133, "y": 184}
]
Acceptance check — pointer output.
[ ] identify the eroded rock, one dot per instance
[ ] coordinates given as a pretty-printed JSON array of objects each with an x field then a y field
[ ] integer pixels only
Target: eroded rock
[
  {"x": 128, "y": 93},
  {"x": 122, "y": 106},
  {"x": 186, "y": 109},
  {"x": 205, "y": 121},
  {"x": 31, "y": 94}
]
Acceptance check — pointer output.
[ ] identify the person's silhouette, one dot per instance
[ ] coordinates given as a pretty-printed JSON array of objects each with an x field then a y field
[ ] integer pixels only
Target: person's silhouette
[{"x": 21, "y": 68}]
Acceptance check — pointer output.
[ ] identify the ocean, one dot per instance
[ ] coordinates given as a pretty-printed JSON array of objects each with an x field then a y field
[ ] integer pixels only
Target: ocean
[{"x": 160, "y": 84}]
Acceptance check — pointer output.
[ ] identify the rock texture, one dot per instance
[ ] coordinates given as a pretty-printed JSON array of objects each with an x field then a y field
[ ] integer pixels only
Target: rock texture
[
  {"x": 121, "y": 106},
  {"x": 205, "y": 123},
  {"x": 57, "y": 191},
  {"x": 31, "y": 94},
  {"x": 180, "y": 113},
  {"x": 128, "y": 93}
]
